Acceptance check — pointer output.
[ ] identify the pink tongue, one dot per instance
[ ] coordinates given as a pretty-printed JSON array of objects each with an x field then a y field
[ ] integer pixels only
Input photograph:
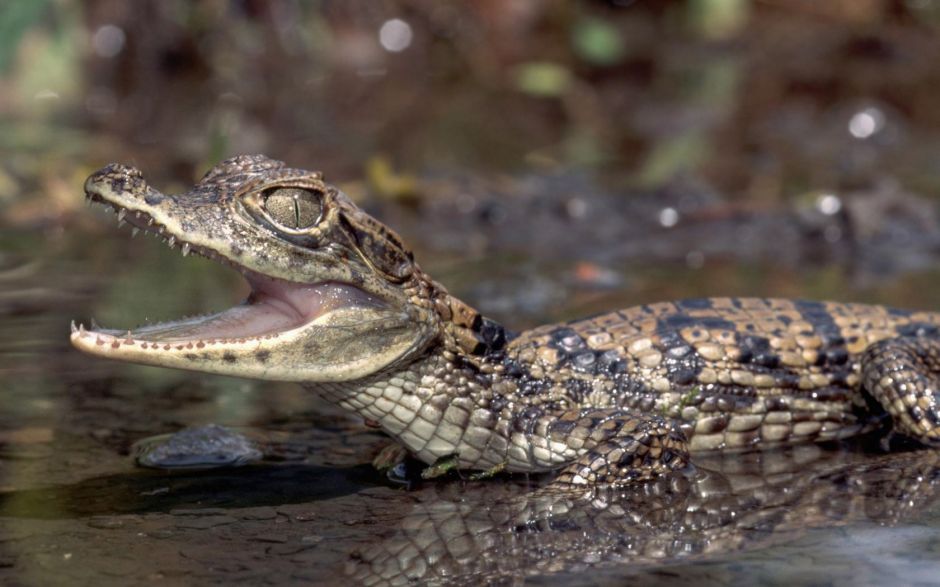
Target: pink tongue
[
  {"x": 305, "y": 302},
  {"x": 273, "y": 306}
]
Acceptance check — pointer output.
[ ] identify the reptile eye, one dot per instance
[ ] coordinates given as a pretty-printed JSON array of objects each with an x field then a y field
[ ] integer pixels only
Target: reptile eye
[{"x": 293, "y": 208}]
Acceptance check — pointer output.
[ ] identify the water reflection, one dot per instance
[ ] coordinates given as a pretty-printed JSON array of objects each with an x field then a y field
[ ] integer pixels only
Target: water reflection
[
  {"x": 500, "y": 531},
  {"x": 284, "y": 523}
]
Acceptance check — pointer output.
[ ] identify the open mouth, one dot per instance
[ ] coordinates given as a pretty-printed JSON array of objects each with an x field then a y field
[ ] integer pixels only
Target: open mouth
[{"x": 274, "y": 306}]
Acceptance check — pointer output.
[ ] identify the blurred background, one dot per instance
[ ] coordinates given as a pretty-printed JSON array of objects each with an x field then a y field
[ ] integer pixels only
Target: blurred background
[
  {"x": 558, "y": 143},
  {"x": 546, "y": 160}
]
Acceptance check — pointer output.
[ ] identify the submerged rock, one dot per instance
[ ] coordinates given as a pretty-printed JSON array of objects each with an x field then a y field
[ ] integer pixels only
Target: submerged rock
[{"x": 201, "y": 447}]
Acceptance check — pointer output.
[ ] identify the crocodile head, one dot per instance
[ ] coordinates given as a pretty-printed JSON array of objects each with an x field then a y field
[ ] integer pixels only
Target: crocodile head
[{"x": 335, "y": 295}]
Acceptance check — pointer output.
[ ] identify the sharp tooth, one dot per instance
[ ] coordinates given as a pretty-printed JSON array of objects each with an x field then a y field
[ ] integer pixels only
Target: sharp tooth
[
  {"x": 95, "y": 325},
  {"x": 121, "y": 214},
  {"x": 171, "y": 241},
  {"x": 137, "y": 214},
  {"x": 185, "y": 249},
  {"x": 74, "y": 328},
  {"x": 150, "y": 222},
  {"x": 134, "y": 231},
  {"x": 81, "y": 329},
  {"x": 121, "y": 223}
]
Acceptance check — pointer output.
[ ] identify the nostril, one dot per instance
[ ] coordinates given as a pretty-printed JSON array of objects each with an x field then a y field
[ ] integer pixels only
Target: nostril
[
  {"x": 116, "y": 178},
  {"x": 154, "y": 197},
  {"x": 116, "y": 171}
]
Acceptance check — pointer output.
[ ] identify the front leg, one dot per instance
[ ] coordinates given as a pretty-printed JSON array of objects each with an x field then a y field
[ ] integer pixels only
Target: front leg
[
  {"x": 618, "y": 446},
  {"x": 902, "y": 375}
]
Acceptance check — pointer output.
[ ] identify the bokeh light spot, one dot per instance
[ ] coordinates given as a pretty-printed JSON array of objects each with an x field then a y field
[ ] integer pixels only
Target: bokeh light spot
[
  {"x": 108, "y": 41},
  {"x": 668, "y": 217},
  {"x": 828, "y": 204},
  {"x": 395, "y": 35},
  {"x": 866, "y": 123}
]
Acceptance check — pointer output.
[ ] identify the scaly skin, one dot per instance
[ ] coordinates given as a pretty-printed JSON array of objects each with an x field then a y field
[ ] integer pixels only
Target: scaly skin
[{"x": 614, "y": 398}]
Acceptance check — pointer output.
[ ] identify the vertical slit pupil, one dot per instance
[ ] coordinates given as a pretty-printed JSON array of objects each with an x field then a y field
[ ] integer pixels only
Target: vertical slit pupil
[{"x": 294, "y": 208}]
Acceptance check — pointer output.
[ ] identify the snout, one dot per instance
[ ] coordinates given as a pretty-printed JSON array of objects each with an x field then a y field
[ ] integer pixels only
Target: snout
[{"x": 115, "y": 178}]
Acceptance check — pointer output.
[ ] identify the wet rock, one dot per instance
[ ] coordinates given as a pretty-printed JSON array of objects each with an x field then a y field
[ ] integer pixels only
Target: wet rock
[
  {"x": 106, "y": 523},
  {"x": 287, "y": 549},
  {"x": 198, "y": 512},
  {"x": 119, "y": 567},
  {"x": 157, "y": 491},
  {"x": 203, "y": 523},
  {"x": 161, "y": 533},
  {"x": 305, "y": 516},
  {"x": 200, "y": 448},
  {"x": 277, "y": 538},
  {"x": 262, "y": 513}
]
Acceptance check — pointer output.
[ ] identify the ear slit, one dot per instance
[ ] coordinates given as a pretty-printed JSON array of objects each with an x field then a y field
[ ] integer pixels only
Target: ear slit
[{"x": 392, "y": 262}]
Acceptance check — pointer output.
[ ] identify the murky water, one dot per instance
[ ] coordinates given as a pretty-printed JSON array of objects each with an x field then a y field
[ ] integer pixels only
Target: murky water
[{"x": 76, "y": 510}]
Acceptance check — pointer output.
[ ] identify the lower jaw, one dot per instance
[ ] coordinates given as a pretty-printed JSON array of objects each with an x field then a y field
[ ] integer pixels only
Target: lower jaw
[
  {"x": 340, "y": 346},
  {"x": 272, "y": 308}
]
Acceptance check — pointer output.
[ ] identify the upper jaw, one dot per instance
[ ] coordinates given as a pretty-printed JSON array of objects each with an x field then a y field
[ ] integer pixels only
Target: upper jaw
[
  {"x": 212, "y": 221},
  {"x": 123, "y": 191}
]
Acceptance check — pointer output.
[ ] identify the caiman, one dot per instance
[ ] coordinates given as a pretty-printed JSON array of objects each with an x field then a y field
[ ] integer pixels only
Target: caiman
[{"x": 339, "y": 304}]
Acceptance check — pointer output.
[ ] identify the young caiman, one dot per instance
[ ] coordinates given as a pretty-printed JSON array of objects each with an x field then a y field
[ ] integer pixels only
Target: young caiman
[{"x": 339, "y": 304}]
